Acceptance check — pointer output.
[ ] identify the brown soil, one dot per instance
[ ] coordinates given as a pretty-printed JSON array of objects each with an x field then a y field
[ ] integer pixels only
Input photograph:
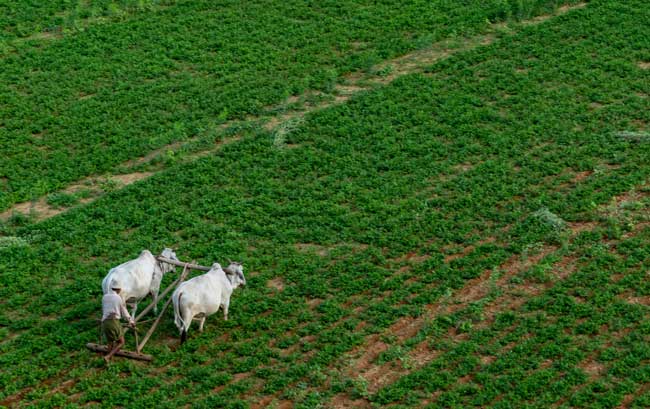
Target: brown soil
[
  {"x": 628, "y": 399},
  {"x": 592, "y": 368},
  {"x": 565, "y": 267},
  {"x": 40, "y": 210},
  {"x": 642, "y": 300},
  {"x": 312, "y": 248},
  {"x": 561, "y": 10},
  {"x": 488, "y": 359},
  {"x": 412, "y": 257},
  {"x": 467, "y": 250},
  {"x": 314, "y": 302},
  {"x": 578, "y": 227},
  {"x": 14, "y": 400},
  {"x": 129, "y": 178},
  {"x": 45, "y": 35},
  {"x": 349, "y": 89},
  {"x": 276, "y": 283},
  {"x": 580, "y": 176},
  {"x": 342, "y": 401}
]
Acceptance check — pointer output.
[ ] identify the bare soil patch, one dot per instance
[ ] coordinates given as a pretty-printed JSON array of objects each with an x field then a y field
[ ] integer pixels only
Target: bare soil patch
[
  {"x": 488, "y": 359},
  {"x": 561, "y": 10},
  {"x": 628, "y": 399},
  {"x": 464, "y": 167},
  {"x": 45, "y": 35},
  {"x": 592, "y": 368},
  {"x": 312, "y": 248},
  {"x": 349, "y": 89},
  {"x": 276, "y": 283},
  {"x": 41, "y": 210},
  {"x": 130, "y": 178},
  {"x": 467, "y": 250},
  {"x": 580, "y": 176},
  {"x": 578, "y": 227},
  {"x": 342, "y": 401},
  {"x": 371, "y": 351},
  {"x": 565, "y": 267},
  {"x": 14, "y": 400},
  {"x": 412, "y": 257},
  {"x": 379, "y": 376},
  {"x": 638, "y": 300}
]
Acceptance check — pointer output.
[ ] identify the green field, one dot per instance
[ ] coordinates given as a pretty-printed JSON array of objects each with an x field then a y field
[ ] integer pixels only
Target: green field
[
  {"x": 476, "y": 234},
  {"x": 113, "y": 81}
]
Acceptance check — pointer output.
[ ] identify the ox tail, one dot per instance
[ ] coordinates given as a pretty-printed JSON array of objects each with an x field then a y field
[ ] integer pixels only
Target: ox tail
[{"x": 178, "y": 319}]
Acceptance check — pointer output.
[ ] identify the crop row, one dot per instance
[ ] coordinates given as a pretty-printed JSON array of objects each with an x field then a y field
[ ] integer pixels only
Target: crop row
[{"x": 581, "y": 342}]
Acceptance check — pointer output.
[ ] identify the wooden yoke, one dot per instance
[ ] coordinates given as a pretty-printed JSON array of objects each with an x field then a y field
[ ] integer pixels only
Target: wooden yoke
[{"x": 191, "y": 265}]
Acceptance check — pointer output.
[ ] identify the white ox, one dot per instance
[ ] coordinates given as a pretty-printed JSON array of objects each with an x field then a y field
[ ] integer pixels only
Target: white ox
[
  {"x": 203, "y": 295},
  {"x": 139, "y": 277}
]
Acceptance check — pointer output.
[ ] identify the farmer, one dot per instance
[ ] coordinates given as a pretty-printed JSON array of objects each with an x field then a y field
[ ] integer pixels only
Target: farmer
[{"x": 113, "y": 309}]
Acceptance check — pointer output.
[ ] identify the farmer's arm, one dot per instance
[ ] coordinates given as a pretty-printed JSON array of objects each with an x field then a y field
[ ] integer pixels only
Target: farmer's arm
[{"x": 125, "y": 313}]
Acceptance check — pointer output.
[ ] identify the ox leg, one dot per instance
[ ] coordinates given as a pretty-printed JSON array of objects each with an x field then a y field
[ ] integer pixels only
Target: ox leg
[
  {"x": 201, "y": 323},
  {"x": 225, "y": 310},
  {"x": 154, "y": 297}
]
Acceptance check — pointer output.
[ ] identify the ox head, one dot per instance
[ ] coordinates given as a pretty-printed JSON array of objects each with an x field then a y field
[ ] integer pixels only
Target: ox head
[
  {"x": 170, "y": 254},
  {"x": 235, "y": 273}
]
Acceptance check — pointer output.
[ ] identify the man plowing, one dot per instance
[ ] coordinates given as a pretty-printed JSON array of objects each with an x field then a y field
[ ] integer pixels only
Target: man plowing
[{"x": 114, "y": 309}]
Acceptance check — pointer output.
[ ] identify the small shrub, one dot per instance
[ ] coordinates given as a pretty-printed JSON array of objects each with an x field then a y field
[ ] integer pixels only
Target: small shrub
[
  {"x": 12, "y": 241},
  {"x": 62, "y": 200}
]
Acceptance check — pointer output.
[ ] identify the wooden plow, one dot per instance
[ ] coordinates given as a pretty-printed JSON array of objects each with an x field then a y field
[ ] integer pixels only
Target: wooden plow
[{"x": 140, "y": 344}]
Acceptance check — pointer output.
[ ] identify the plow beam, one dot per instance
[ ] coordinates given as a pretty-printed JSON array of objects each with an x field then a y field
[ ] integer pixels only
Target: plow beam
[{"x": 126, "y": 354}]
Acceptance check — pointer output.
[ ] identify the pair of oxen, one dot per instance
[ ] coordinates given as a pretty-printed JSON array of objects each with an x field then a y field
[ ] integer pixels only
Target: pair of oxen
[{"x": 196, "y": 298}]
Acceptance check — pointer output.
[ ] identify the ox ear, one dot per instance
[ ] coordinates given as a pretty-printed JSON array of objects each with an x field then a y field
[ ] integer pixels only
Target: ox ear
[{"x": 169, "y": 253}]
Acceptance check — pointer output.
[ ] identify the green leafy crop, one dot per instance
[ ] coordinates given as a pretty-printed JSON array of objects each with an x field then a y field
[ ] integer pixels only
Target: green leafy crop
[{"x": 476, "y": 234}]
